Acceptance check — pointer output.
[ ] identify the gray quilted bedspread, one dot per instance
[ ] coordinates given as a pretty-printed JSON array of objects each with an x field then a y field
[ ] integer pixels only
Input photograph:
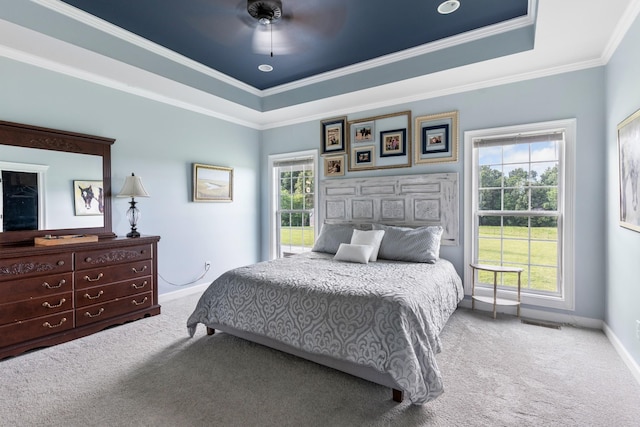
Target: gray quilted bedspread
[{"x": 385, "y": 315}]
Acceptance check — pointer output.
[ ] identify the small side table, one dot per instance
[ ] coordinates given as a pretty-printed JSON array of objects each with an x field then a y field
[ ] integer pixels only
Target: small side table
[{"x": 495, "y": 300}]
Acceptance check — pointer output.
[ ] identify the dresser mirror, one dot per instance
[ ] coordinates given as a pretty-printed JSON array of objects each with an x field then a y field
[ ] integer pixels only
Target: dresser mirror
[{"x": 53, "y": 182}]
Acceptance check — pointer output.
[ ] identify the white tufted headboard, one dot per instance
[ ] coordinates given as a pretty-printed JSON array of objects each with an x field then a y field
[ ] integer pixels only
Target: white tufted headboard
[{"x": 407, "y": 200}]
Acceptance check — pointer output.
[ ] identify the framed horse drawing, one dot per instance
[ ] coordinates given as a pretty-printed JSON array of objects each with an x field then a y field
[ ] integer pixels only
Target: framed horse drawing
[{"x": 88, "y": 197}]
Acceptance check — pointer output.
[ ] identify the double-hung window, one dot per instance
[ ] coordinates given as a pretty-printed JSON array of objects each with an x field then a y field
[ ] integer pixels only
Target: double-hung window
[
  {"x": 293, "y": 201},
  {"x": 520, "y": 210}
]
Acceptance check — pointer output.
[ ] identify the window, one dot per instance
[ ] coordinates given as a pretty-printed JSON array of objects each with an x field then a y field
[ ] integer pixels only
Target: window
[
  {"x": 519, "y": 187},
  {"x": 293, "y": 202},
  {"x": 22, "y": 196}
]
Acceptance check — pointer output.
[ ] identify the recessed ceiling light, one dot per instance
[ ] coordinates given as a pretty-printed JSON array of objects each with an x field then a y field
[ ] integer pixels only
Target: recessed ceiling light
[
  {"x": 265, "y": 68},
  {"x": 448, "y": 7}
]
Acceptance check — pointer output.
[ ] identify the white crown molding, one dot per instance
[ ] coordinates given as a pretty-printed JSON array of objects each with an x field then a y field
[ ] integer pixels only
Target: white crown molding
[
  {"x": 421, "y": 96},
  {"x": 65, "y": 61},
  {"x": 628, "y": 17}
]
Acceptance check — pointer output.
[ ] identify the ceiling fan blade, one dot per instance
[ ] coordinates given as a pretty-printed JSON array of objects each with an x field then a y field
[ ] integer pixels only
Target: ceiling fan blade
[
  {"x": 324, "y": 20},
  {"x": 228, "y": 23}
]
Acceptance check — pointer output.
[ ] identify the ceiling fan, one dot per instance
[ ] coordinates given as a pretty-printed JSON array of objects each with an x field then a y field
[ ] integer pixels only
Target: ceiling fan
[{"x": 271, "y": 27}]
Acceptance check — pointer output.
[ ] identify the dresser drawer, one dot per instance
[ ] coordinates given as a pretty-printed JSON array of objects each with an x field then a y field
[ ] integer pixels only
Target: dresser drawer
[
  {"x": 16, "y": 290},
  {"x": 99, "y": 294},
  {"x": 35, "y": 307},
  {"x": 106, "y": 257},
  {"x": 116, "y": 273},
  {"x": 20, "y": 268},
  {"x": 98, "y": 312},
  {"x": 14, "y": 333}
]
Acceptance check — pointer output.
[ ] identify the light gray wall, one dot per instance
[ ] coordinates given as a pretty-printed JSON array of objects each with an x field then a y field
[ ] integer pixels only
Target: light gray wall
[
  {"x": 159, "y": 143},
  {"x": 623, "y": 245},
  {"x": 577, "y": 95}
]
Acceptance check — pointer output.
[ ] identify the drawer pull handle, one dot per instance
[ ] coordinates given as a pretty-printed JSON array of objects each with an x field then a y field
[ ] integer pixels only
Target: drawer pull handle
[
  {"x": 46, "y": 304},
  {"x": 134, "y": 286},
  {"x": 87, "y": 314},
  {"x": 50, "y": 326},
  {"x": 134, "y": 302},
  {"x": 60, "y": 263},
  {"x": 96, "y": 297},
  {"x": 48, "y": 286},
  {"x": 88, "y": 259},
  {"x": 135, "y": 270},
  {"x": 89, "y": 279}
]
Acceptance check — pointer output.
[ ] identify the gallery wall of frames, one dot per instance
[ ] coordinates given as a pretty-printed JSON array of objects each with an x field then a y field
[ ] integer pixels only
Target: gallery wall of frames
[{"x": 393, "y": 140}]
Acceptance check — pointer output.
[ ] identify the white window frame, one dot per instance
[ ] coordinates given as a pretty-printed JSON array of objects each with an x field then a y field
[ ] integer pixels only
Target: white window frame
[
  {"x": 273, "y": 194},
  {"x": 41, "y": 171},
  {"x": 566, "y": 205}
]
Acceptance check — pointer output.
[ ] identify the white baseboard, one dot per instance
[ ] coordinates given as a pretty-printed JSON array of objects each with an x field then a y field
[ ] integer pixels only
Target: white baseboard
[
  {"x": 624, "y": 354},
  {"x": 168, "y": 296}
]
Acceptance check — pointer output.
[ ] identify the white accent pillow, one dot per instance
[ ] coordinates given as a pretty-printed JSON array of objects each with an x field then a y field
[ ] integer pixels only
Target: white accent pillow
[
  {"x": 353, "y": 253},
  {"x": 372, "y": 238}
]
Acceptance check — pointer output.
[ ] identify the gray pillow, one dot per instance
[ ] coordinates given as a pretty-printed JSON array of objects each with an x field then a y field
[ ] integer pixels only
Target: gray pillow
[
  {"x": 331, "y": 235},
  {"x": 410, "y": 244}
]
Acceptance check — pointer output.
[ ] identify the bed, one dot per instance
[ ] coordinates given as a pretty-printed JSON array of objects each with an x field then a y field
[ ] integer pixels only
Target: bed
[{"x": 371, "y": 300}]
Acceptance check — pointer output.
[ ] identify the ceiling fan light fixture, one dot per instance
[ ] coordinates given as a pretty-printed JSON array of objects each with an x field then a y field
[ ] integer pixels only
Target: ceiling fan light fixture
[
  {"x": 448, "y": 7},
  {"x": 265, "y": 68},
  {"x": 265, "y": 11}
]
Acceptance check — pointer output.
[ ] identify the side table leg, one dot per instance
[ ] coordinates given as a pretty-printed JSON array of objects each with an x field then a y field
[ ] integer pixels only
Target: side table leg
[
  {"x": 519, "y": 303},
  {"x": 495, "y": 292},
  {"x": 473, "y": 288}
]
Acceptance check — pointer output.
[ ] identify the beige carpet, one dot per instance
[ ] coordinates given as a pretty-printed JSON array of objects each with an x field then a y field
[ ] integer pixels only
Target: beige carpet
[{"x": 149, "y": 373}]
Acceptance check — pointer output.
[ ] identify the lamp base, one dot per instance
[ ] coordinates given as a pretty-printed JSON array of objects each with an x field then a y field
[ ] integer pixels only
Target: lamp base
[{"x": 133, "y": 233}]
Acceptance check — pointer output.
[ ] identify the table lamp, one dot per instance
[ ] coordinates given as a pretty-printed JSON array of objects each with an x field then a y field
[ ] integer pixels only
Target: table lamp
[{"x": 133, "y": 188}]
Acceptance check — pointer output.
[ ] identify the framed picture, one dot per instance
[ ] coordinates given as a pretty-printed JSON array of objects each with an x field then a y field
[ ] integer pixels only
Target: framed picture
[
  {"x": 629, "y": 158},
  {"x": 333, "y": 135},
  {"x": 436, "y": 137},
  {"x": 334, "y": 165},
  {"x": 361, "y": 132},
  {"x": 392, "y": 143},
  {"x": 363, "y": 157},
  {"x": 88, "y": 197},
  {"x": 212, "y": 183},
  {"x": 390, "y": 133}
]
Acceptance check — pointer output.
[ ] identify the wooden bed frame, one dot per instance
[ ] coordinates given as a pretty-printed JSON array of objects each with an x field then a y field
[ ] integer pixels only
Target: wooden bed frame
[{"x": 407, "y": 200}]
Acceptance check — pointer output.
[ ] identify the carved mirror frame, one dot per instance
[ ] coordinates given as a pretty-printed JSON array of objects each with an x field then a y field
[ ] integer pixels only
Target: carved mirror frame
[{"x": 28, "y": 136}]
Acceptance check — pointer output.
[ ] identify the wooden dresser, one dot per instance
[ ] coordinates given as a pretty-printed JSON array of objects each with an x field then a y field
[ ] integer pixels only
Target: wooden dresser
[{"x": 53, "y": 294}]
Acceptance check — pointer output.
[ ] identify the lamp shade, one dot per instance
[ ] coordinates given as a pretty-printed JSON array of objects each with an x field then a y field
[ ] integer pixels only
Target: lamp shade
[{"x": 133, "y": 188}]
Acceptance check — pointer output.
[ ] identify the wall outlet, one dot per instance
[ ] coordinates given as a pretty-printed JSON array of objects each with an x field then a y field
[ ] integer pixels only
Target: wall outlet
[
  {"x": 207, "y": 265},
  {"x": 638, "y": 330}
]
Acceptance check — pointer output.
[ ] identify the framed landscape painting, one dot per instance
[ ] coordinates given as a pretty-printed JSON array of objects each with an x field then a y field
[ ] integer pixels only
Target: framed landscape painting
[
  {"x": 629, "y": 168},
  {"x": 212, "y": 183}
]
